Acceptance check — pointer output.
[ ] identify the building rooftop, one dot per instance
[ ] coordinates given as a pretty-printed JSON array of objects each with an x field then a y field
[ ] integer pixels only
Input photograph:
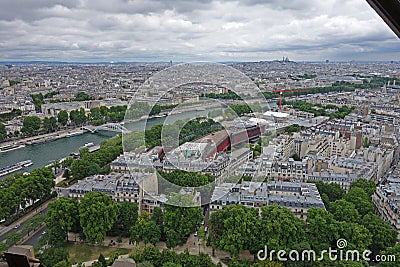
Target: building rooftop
[{"x": 280, "y": 192}]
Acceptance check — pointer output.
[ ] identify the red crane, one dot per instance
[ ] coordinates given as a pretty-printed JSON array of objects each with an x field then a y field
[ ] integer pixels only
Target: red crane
[{"x": 281, "y": 91}]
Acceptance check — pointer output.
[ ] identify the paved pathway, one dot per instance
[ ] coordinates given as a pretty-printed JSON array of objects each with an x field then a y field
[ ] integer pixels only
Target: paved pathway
[{"x": 192, "y": 245}]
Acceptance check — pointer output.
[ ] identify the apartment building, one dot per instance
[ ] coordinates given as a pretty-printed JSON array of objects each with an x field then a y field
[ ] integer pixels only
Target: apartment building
[
  {"x": 387, "y": 202},
  {"x": 298, "y": 197}
]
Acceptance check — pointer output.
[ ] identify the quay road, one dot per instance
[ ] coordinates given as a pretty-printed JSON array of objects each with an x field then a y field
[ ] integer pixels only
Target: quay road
[{"x": 42, "y": 138}]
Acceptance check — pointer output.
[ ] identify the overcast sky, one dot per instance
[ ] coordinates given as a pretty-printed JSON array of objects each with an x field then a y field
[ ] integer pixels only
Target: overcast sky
[{"x": 205, "y": 30}]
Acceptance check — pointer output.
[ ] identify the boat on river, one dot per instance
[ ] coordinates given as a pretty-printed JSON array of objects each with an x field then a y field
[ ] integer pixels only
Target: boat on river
[{"x": 15, "y": 167}]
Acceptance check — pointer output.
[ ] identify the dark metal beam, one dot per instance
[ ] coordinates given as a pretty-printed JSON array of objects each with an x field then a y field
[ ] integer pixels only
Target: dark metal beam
[{"x": 389, "y": 11}]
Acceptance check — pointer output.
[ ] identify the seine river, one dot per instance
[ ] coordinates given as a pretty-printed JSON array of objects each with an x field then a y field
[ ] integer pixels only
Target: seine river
[{"x": 44, "y": 154}]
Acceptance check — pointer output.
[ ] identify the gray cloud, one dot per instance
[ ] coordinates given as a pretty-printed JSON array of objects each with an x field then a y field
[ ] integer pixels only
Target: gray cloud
[{"x": 140, "y": 30}]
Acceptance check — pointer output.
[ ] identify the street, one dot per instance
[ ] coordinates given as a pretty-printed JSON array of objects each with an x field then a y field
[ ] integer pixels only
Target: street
[
  {"x": 18, "y": 226},
  {"x": 33, "y": 240}
]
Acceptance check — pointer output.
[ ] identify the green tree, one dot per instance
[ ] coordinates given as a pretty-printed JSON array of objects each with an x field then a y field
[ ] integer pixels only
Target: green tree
[
  {"x": 368, "y": 186},
  {"x": 278, "y": 229},
  {"x": 50, "y": 124},
  {"x": 83, "y": 168},
  {"x": 179, "y": 223},
  {"x": 97, "y": 213},
  {"x": 63, "y": 213},
  {"x": 3, "y": 132},
  {"x": 63, "y": 263},
  {"x": 95, "y": 114},
  {"x": 33, "y": 223},
  {"x": 37, "y": 100},
  {"x": 344, "y": 211},
  {"x": 357, "y": 236},
  {"x": 383, "y": 234},
  {"x": 267, "y": 264},
  {"x": 62, "y": 117},
  {"x": 52, "y": 256},
  {"x": 9, "y": 201},
  {"x": 54, "y": 237},
  {"x": 171, "y": 264},
  {"x": 97, "y": 264},
  {"x": 151, "y": 233},
  {"x": 322, "y": 229},
  {"x": 202, "y": 235},
  {"x": 13, "y": 238},
  {"x": 365, "y": 142},
  {"x": 393, "y": 251},
  {"x": 239, "y": 226},
  {"x": 361, "y": 200},
  {"x": 145, "y": 230},
  {"x": 78, "y": 117},
  {"x": 31, "y": 124},
  {"x": 82, "y": 96},
  {"x": 126, "y": 218},
  {"x": 293, "y": 128},
  {"x": 158, "y": 218},
  {"x": 333, "y": 191},
  {"x": 135, "y": 234}
]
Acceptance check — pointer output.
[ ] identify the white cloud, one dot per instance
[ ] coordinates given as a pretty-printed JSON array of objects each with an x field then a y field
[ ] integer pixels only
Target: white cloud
[{"x": 89, "y": 30}]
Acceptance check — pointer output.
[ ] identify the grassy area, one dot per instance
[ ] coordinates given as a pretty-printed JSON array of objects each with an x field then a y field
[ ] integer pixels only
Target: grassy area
[
  {"x": 265, "y": 140},
  {"x": 85, "y": 252}
]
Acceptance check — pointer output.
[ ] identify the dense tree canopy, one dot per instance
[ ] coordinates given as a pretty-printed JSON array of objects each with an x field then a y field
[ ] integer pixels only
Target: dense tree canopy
[
  {"x": 368, "y": 186},
  {"x": 151, "y": 256},
  {"x": 343, "y": 210},
  {"x": 23, "y": 190},
  {"x": 92, "y": 163},
  {"x": 360, "y": 199},
  {"x": 384, "y": 235},
  {"x": 52, "y": 256},
  {"x": 332, "y": 191}
]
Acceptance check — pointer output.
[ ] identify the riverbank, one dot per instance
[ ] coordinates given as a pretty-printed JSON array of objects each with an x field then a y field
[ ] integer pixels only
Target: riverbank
[{"x": 38, "y": 139}]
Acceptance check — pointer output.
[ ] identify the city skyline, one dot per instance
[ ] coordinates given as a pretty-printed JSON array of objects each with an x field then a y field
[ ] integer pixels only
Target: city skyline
[{"x": 152, "y": 31}]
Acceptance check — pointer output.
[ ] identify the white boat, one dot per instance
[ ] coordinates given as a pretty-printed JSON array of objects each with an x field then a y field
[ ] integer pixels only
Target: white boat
[
  {"x": 74, "y": 134},
  {"x": 87, "y": 145},
  {"x": 11, "y": 147}
]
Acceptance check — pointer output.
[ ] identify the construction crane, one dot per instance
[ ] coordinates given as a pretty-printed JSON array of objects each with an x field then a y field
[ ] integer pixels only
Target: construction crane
[{"x": 281, "y": 91}]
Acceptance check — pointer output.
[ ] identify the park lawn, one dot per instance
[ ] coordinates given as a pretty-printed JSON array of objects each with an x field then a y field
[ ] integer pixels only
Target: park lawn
[{"x": 84, "y": 252}]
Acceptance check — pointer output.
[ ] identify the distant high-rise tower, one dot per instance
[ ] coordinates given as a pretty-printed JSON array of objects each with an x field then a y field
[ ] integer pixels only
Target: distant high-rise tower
[{"x": 170, "y": 62}]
